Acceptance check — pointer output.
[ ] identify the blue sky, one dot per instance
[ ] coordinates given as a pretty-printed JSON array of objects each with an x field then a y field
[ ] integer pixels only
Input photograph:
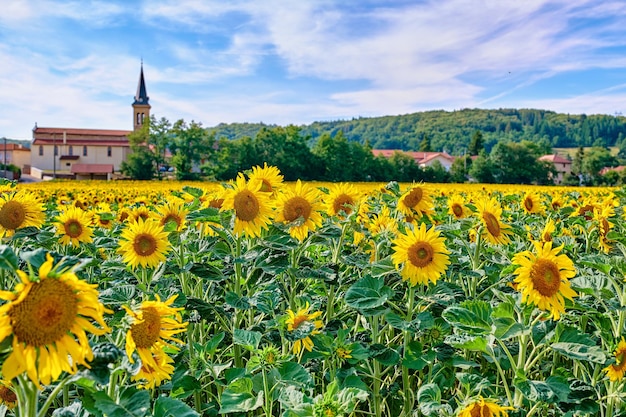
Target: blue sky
[{"x": 75, "y": 63}]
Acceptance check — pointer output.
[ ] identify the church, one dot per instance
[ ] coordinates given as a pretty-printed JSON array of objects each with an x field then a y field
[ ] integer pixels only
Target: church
[{"x": 74, "y": 153}]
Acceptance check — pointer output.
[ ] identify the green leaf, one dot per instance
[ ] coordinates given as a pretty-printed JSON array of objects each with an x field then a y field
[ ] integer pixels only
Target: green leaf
[
  {"x": 8, "y": 258},
  {"x": 194, "y": 192},
  {"x": 295, "y": 374},
  {"x": 553, "y": 390},
  {"x": 368, "y": 294},
  {"x": 208, "y": 271},
  {"x": 132, "y": 403},
  {"x": 239, "y": 398},
  {"x": 385, "y": 355},
  {"x": 414, "y": 358},
  {"x": 580, "y": 352},
  {"x": 240, "y": 303},
  {"x": 470, "y": 316},
  {"x": 423, "y": 321},
  {"x": 248, "y": 339},
  {"x": 472, "y": 343},
  {"x": 429, "y": 400},
  {"x": 170, "y": 407}
]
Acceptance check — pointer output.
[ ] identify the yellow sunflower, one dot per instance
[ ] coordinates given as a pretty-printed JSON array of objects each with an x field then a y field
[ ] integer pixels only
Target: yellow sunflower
[
  {"x": 253, "y": 208},
  {"x": 482, "y": 407},
  {"x": 8, "y": 398},
  {"x": 143, "y": 243},
  {"x": 422, "y": 254},
  {"x": 270, "y": 178},
  {"x": 615, "y": 371},
  {"x": 302, "y": 320},
  {"x": 457, "y": 207},
  {"x": 300, "y": 208},
  {"x": 173, "y": 211},
  {"x": 155, "y": 375},
  {"x": 48, "y": 317},
  {"x": 342, "y": 200},
  {"x": 18, "y": 210},
  {"x": 140, "y": 213},
  {"x": 72, "y": 226},
  {"x": 102, "y": 216},
  {"x": 601, "y": 217},
  {"x": 382, "y": 222},
  {"x": 490, "y": 212},
  {"x": 416, "y": 202},
  {"x": 542, "y": 278},
  {"x": 548, "y": 231},
  {"x": 153, "y": 327},
  {"x": 532, "y": 203}
]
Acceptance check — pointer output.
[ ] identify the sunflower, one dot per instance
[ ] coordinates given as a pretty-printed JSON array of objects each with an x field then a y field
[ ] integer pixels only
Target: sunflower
[
  {"x": 482, "y": 407},
  {"x": 532, "y": 203},
  {"x": 342, "y": 200},
  {"x": 300, "y": 208},
  {"x": 548, "y": 231},
  {"x": 143, "y": 243},
  {"x": 601, "y": 217},
  {"x": 102, "y": 216},
  {"x": 457, "y": 207},
  {"x": 72, "y": 225},
  {"x": 490, "y": 212},
  {"x": 155, "y": 375},
  {"x": 270, "y": 178},
  {"x": 542, "y": 278},
  {"x": 615, "y": 371},
  {"x": 172, "y": 212},
  {"x": 8, "y": 398},
  {"x": 48, "y": 318},
  {"x": 140, "y": 213},
  {"x": 416, "y": 202},
  {"x": 153, "y": 327},
  {"x": 422, "y": 254},
  {"x": 557, "y": 202},
  {"x": 306, "y": 323},
  {"x": 18, "y": 210},
  {"x": 382, "y": 222},
  {"x": 252, "y": 207}
]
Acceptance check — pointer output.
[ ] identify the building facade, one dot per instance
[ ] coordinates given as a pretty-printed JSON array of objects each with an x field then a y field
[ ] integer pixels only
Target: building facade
[{"x": 59, "y": 152}]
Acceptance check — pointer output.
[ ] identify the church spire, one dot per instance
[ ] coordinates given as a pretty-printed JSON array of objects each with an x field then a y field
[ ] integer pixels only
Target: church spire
[
  {"x": 142, "y": 96},
  {"x": 141, "y": 106}
]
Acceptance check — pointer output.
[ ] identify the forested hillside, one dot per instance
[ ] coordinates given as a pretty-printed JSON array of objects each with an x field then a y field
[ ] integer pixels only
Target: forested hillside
[{"x": 452, "y": 131}]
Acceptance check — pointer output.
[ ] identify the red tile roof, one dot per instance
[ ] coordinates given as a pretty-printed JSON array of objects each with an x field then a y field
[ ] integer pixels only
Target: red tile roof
[
  {"x": 420, "y": 157},
  {"x": 555, "y": 159},
  {"x": 73, "y": 131},
  {"x": 91, "y": 168}
]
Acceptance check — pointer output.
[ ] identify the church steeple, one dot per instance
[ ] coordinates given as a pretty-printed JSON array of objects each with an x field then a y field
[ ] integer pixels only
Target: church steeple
[{"x": 141, "y": 106}]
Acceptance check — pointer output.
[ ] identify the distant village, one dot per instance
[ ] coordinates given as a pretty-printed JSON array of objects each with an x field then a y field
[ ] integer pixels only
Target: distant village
[{"x": 76, "y": 153}]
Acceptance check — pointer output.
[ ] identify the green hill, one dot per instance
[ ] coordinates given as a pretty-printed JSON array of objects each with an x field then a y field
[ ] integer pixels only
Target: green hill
[{"x": 452, "y": 130}]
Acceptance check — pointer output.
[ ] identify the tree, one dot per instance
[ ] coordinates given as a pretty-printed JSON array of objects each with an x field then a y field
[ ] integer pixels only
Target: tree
[
  {"x": 482, "y": 169},
  {"x": 577, "y": 163},
  {"x": 459, "y": 169},
  {"x": 477, "y": 143},
  {"x": 425, "y": 145},
  {"x": 515, "y": 163},
  {"x": 139, "y": 164},
  {"x": 595, "y": 160},
  {"x": 191, "y": 145}
]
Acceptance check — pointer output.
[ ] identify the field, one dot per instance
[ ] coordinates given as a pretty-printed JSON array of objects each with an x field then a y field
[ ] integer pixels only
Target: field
[{"x": 259, "y": 297}]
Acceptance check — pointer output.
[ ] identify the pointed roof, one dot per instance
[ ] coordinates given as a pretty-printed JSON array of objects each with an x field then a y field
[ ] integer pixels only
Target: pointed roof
[{"x": 142, "y": 95}]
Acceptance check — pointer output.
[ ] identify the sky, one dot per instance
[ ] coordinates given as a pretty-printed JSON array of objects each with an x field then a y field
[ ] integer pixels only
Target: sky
[{"x": 76, "y": 63}]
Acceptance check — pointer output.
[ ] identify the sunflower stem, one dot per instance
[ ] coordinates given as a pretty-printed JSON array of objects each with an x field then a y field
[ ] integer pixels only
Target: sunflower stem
[
  {"x": 26, "y": 393},
  {"x": 61, "y": 385},
  {"x": 237, "y": 289},
  {"x": 376, "y": 381},
  {"x": 406, "y": 382}
]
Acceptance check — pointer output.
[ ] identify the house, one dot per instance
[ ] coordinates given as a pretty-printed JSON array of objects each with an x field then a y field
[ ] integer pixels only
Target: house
[
  {"x": 75, "y": 153},
  {"x": 15, "y": 154},
  {"x": 562, "y": 165},
  {"x": 423, "y": 159}
]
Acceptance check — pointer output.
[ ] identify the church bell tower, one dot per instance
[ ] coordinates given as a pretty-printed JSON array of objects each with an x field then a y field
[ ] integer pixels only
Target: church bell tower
[{"x": 141, "y": 106}]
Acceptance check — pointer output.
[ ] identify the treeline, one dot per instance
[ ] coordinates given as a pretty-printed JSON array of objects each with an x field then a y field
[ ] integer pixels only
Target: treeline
[
  {"x": 195, "y": 153},
  {"x": 451, "y": 131}
]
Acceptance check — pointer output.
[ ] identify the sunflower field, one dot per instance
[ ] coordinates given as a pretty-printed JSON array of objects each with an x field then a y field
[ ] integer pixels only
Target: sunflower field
[{"x": 258, "y": 297}]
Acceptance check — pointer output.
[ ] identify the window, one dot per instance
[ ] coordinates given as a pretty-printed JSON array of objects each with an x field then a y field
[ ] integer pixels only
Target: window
[
  {"x": 40, "y": 150},
  {"x": 109, "y": 151},
  {"x": 71, "y": 150},
  {"x": 56, "y": 150},
  {"x": 138, "y": 118},
  {"x": 85, "y": 150}
]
